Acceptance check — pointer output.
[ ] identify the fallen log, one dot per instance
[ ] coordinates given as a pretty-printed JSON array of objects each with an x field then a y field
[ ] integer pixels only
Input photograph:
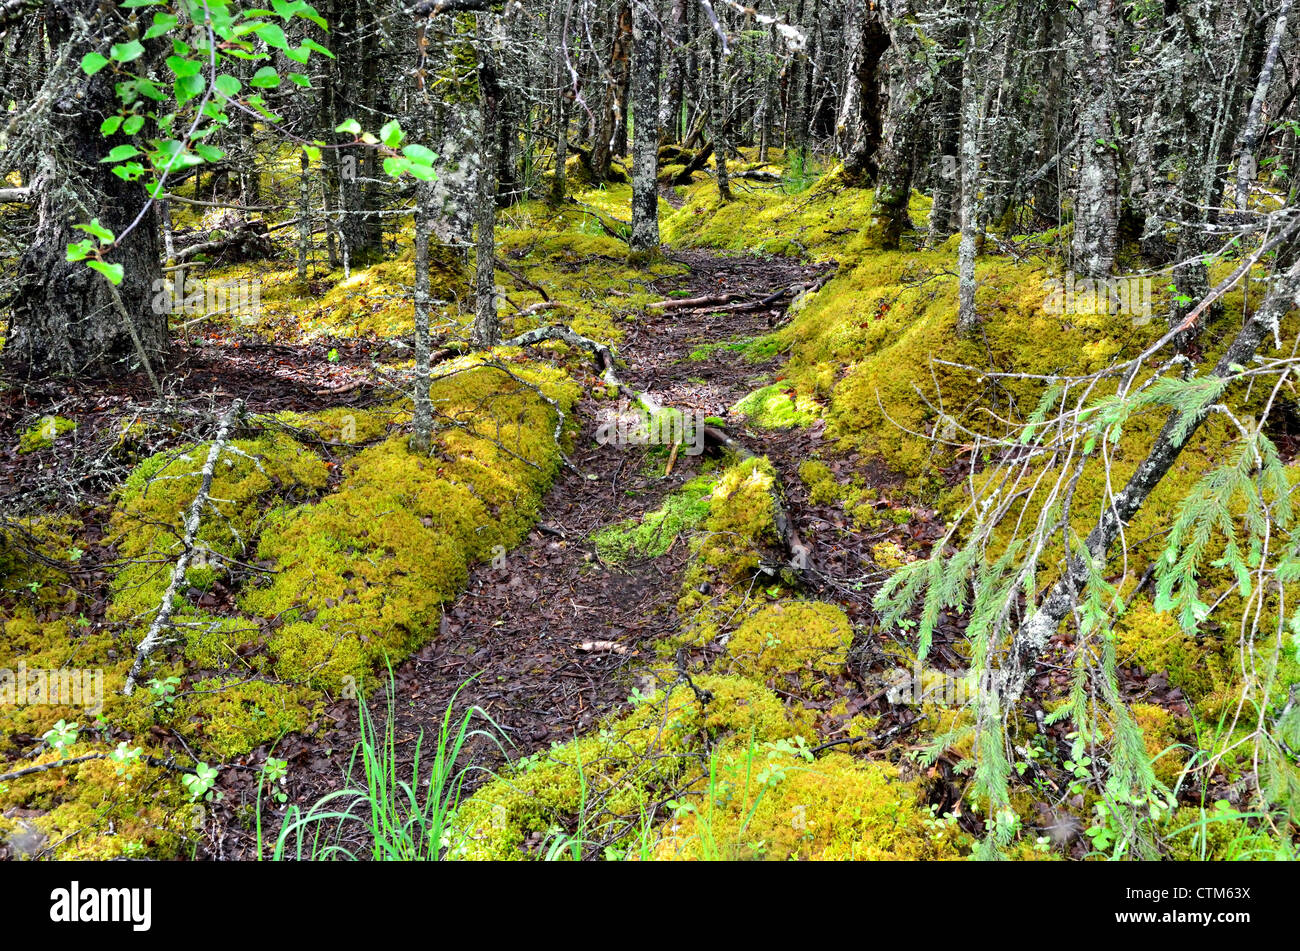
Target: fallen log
[{"x": 154, "y": 638}]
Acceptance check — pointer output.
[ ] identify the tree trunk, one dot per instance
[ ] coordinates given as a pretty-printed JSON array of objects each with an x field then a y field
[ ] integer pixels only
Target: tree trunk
[
  {"x": 718, "y": 121},
  {"x": 1246, "y": 165},
  {"x": 65, "y": 319},
  {"x": 645, "y": 108},
  {"x": 1096, "y": 202},
  {"x": 487, "y": 326}
]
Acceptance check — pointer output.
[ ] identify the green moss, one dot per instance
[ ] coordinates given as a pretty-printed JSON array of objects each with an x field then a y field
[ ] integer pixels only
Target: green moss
[
  {"x": 361, "y": 575},
  {"x": 858, "y": 501},
  {"x": 620, "y": 766},
  {"x": 654, "y": 533},
  {"x": 1154, "y": 641},
  {"x": 340, "y": 425},
  {"x": 146, "y": 525},
  {"x": 228, "y": 718},
  {"x": 44, "y": 433},
  {"x": 775, "y": 407},
  {"x": 89, "y": 811},
  {"x": 819, "y": 222},
  {"x": 1160, "y": 733},
  {"x": 833, "y": 809},
  {"x": 800, "y": 638},
  {"x": 726, "y": 552}
]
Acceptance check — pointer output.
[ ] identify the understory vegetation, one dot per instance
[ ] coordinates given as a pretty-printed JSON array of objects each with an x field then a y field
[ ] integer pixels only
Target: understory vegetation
[{"x": 745, "y": 490}]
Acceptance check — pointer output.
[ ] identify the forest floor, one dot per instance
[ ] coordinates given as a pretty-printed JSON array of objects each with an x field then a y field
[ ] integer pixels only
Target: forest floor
[{"x": 550, "y": 639}]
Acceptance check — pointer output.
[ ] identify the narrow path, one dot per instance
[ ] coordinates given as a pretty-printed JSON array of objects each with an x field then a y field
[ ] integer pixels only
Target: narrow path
[{"x": 519, "y": 627}]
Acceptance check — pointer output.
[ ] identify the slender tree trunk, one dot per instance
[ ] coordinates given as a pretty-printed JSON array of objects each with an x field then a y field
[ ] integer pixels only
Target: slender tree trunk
[
  {"x": 1246, "y": 165},
  {"x": 1096, "y": 203},
  {"x": 970, "y": 182},
  {"x": 718, "y": 121},
  {"x": 487, "y": 326},
  {"x": 422, "y": 419},
  {"x": 645, "y": 110},
  {"x": 560, "y": 113}
]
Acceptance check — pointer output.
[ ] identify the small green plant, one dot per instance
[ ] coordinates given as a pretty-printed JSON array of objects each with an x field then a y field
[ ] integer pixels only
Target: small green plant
[
  {"x": 276, "y": 773},
  {"x": 164, "y": 693},
  {"x": 403, "y": 820},
  {"x": 125, "y": 757},
  {"x": 199, "y": 783},
  {"x": 62, "y": 736}
]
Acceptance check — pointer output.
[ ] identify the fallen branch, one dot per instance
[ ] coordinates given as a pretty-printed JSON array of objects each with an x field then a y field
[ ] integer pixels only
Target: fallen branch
[
  {"x": 685, "y": 303},
  {"x": 30, "y": 770},
  {"x": 161, "y": 620}
]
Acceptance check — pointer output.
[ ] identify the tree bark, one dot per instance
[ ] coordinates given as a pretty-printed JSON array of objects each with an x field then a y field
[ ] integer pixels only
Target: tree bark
[
  {"x": 1096, "y": 202},
  {"x": 65, "y": 319},
  {"x": 645, "y": 109}
]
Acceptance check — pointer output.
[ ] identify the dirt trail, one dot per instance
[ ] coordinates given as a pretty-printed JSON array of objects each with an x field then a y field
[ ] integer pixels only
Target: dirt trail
[{"x": 518, "y": 628}]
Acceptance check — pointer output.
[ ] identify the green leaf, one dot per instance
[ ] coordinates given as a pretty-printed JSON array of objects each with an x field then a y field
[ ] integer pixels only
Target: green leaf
[
  {"x": 80, "y": 250},
  {"x": 133, "y": 124},
  {"x": 313, "y": 153},
  {"x": 209, "y": 153},
  {"x": 99, "y": 231},
  {"x": 126, "y": 52},
  {"x": 396, "y": 166},
  {"x": 162, "y": 23},
  {"x": 113, "y": 272},
  {"x": 420, "y": 155},
  {"x": 265, "y": 78},
  {"x": 121, "y": 153},
  {"x": 128, "y": 171},
  {"x": 183, "y": 67},
  {"x": 272, "y": 35},
  {"x": 189, "y": 87},
  {"x": 310, "y": 44},
  {"x": 110, "y": 125},
  {"x": 92, "y": 63},
  {"x": 228, "y": 85},
  {"x": 299, "y": 79},
  {"x": 423, "y": 172},
  {"x": 391, "y": 134},
  {"x": 350, "y": 126}
]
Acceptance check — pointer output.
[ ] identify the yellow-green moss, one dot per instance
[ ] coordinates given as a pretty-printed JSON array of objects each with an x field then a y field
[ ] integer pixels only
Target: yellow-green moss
[
  {"x": 773, "y": 407},
  {"x": 726, "y": 552},
  {"x": 622, "y": 766},
  {"x": 147, "y": 523},
  {"x": 44, "y": 433},
  {"x": 653, "y": 533},
  {"x": 88, "y": 811},
  {"x": 1160, "y": 733},
  {"x": 361, "y": 574},
  {"x": 833, "y": 809},
  {"x": 230, "y": 717},
  {"x": 800, "y": 638},
  {"x": 340, "y": 425}
]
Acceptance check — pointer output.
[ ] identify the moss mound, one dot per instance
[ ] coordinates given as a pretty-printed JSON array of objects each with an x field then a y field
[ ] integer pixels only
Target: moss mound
[
  {"x": 654, "y": 533},
  {"x": 798, "y": 638}
]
